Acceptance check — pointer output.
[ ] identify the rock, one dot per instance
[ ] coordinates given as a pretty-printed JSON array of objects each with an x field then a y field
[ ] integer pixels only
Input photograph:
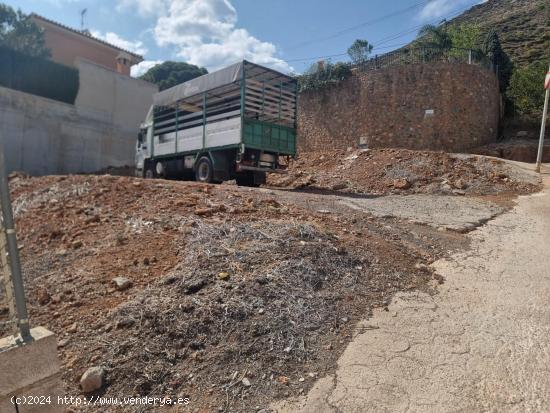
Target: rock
[
  {"x": 122, "y": 283},
  {"x": 522, "y": 134},
  {"x": 43, "y": 297},
  {"x": 125, "y": 323},
  {"x": 76, "y": 244},
  {"x": 72, "y": 328},
  {"x": 301, "y": 379},
  {"x": 339, "y": 185},
  {"x": 401, "y": 183},
  {"x": 92, "y": 379},
  {"x": 62, "y": 343},
  {"x": 223, "y": 276},
  {"x": 92, "y": 219},
  {"x": 204, "y": 211},
  {"x": 194, "y": 286},
  {"x": 169, "y": 279},
  {"x": 283, "y": 380},
  {"x": 446, "y": 187},
  {"x": 56, "y": 298},
  {"x": 246, "y": 382},
  {"x": 459, "y": 184},
  {"x": 261, "y": 311}
]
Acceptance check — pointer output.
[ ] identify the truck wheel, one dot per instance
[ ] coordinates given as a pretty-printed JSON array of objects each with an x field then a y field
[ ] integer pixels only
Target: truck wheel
[
  {"x": 149, "y": 172},
  {"x": 204, "y": 171}
]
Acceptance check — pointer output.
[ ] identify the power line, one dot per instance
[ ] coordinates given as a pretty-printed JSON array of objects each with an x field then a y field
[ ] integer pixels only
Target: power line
[
  {"x": 368, "y": 23},
  {"x": 344, "y": 54},
  {"x": 386, "y": 39}
]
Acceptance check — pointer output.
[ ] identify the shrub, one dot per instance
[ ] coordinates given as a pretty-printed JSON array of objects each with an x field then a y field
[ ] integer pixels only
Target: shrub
[
  {"x": 318, "y": 77},
  {"x": 526, "y": 90},
  {"x": 38, "y": 76}
]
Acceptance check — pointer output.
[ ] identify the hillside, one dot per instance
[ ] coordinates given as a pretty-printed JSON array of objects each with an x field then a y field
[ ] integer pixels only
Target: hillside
[{"x": 523, "y": 26}]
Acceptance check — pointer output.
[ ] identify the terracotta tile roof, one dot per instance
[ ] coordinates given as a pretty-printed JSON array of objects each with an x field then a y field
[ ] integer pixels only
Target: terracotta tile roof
[{"x": 85, "y": 34}]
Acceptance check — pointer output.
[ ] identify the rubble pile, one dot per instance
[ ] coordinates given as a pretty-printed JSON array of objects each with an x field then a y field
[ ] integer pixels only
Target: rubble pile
[{"x": 402, "y": 171}]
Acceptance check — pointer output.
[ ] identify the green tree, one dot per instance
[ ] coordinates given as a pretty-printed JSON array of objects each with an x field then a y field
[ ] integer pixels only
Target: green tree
[
  {"x": 319, "y": 76},
  {"x": 359, "y": 51},
  {"x": 19, "y": 32},
  {"x": 169, "y": 74},
  {"x": 526, "y": 89},
  {"x": 465, "y": 36},
  {"x": 493, "y": 49},
  {"x": 435, "y": 37}
]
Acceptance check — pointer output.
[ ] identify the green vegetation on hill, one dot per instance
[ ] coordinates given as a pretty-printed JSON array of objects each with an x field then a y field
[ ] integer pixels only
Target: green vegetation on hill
[{"x": 522, "y": 26}]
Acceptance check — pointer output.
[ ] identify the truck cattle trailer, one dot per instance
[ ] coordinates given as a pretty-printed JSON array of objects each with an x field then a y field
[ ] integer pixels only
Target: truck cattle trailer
[{"x": 235, "y": 123}]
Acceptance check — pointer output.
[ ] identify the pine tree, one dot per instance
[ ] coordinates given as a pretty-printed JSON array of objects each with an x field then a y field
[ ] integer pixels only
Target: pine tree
[{"x": 493, "y": 49}]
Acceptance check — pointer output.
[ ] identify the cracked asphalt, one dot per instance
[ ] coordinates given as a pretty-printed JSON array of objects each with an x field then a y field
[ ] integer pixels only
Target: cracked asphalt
[{"x": 482, "y": 344}]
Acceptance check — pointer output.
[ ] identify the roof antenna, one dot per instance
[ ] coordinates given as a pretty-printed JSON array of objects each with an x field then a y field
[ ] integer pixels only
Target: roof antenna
[{"x": 82, "y": 14}]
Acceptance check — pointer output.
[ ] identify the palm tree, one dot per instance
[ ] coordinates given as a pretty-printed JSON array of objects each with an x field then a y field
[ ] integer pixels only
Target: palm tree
[{"x": 435, "y": 37}]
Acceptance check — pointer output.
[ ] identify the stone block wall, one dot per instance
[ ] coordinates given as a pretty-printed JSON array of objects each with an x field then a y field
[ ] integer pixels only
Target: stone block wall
[{"x": 437, "y": 106}]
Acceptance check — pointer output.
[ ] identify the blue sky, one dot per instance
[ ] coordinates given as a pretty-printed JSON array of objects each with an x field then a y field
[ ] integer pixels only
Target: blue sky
[{"x": 288, "y": 35}]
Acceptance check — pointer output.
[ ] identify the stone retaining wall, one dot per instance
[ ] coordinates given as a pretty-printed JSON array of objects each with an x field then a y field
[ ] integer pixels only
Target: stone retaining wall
[{"x": 437, "y": 106}]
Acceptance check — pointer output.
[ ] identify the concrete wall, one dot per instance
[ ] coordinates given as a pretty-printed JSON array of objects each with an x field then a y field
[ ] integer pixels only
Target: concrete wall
[
  {"x": 42, "y": 136},
  {"x": 113, "y": 97},
  {"x": 32, "y": 369},
  {"x": 436, "y": 106}
]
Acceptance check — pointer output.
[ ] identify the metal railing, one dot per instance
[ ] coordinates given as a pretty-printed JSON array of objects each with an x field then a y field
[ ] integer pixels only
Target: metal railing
[
  {"x": 422, "y": 55},
  {"x": 9, "y": 262}
]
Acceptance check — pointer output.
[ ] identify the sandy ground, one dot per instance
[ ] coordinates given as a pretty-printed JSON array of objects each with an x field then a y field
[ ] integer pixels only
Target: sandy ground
[
  {"x": 460, "y": 214},
  {"x": 480, "y": 345}
]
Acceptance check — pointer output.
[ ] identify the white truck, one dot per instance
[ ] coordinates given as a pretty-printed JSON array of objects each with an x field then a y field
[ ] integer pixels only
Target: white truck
[{"x": 235, "y": 123}]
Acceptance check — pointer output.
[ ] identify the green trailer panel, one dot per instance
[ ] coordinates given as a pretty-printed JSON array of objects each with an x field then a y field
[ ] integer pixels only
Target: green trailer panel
[{"x": 269, "y": 137}]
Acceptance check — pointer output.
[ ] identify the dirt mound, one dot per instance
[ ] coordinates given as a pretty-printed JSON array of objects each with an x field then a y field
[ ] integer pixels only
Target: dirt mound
[
  {"x": 386, "y": 171},
  {"x": 234, "y": 299}
]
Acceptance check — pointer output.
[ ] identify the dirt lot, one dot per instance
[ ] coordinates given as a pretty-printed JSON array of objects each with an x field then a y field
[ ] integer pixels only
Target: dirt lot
[
  {"x": 238, "y": 297},
  {"x": 255, "y": 298},
  {"x": 401, "y": 171}
]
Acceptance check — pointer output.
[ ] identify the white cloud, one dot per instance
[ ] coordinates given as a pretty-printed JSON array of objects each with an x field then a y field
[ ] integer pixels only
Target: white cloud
[
  {"x": 144, "y": 7},
  {"x": 436, "y": 9},
  {"x": 142, "y": 67},
  {"x": 113, "y": 38},
  {"x": 205, "y": 33}
]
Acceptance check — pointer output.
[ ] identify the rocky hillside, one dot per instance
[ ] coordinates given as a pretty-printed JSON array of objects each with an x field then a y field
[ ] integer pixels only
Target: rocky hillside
[{"x": 523, "y": 26}]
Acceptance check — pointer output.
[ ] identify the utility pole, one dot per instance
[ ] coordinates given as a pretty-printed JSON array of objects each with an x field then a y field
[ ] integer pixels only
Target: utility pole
[{"x": 544, "y": 116}]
